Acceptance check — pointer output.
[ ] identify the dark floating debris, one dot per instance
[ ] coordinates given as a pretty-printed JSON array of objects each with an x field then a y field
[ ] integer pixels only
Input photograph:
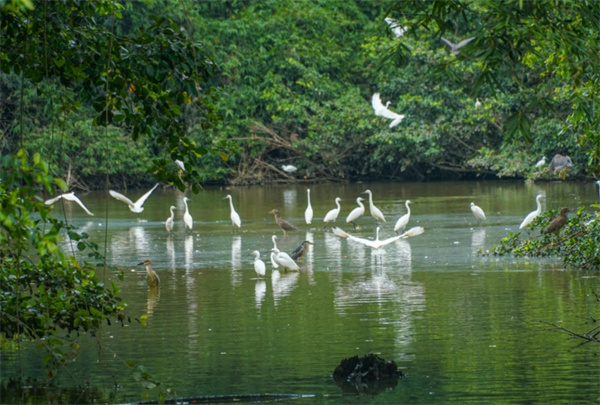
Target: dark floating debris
[
  {"x": 368, "y": 374},
  {"x": 220, "y": 399}
]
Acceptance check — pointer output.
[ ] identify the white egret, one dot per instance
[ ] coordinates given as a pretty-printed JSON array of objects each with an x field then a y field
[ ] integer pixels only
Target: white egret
[
  {"x": 284, "y": 260},
  {"x": 273, "y": 262},
  {"x": 382, "y": 111},
  {"x": 187, "y": 218},
  {"x": 332, "y": 215},
  {"x": 69, "y": 197},
  {"x": 560, "y": 162},
  {"x": 531, "y": 216},
  {"x": 478, "y": 213},
  {"x": 356, "y": 212},
  {"x": 455, "y": 47},
  {"x": 541, "y": 162},
  {"x": 397, "y": 30},
  {"x": 308, "y": 214},
  {"x": 477, "y": 104},
  {"x": 180, "y": 164},
  {"x": 153, "y": 279},
  {"x": 259, "y": 265},
  {"x": 235, "y": 218},
  {"x": 133, "y": 207},
  {"x": 289, "y": 168},
  {"x": 169, "y": 221},
  {"x": 375, "y": 212},
  {"x": 598, "y": 184},
  {"x": 403, "y": 220},
  {"x": 378, "y": 244}
]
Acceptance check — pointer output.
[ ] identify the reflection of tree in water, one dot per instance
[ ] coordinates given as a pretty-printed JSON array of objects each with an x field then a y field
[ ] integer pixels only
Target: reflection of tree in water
[{"x": 369, "y": 374}]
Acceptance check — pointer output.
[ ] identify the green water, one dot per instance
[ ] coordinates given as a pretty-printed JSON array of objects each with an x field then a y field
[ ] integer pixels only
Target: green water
[{"x": 463, "y": 327}]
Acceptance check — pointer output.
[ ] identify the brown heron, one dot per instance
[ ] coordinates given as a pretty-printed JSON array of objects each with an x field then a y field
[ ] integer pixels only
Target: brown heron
[
  {"x": 153, "y": 279},
  {"x": 300, "y": 252},
  {"x": 557, "y": 223},
  {"x": 283, "y": 224},
  {"x": 560, "y": 162}
]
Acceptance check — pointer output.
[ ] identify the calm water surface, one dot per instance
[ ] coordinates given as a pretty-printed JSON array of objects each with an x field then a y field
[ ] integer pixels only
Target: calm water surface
[{"x": 465, "y": 328}]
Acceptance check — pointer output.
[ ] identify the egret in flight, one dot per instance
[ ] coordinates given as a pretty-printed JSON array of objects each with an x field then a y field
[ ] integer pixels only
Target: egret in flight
[
  {"x": 235, "y": 218},
  {"x": 308, "y": 214},
  {"x": 397, "y": 30},
  {"x": 301, "y": 250},
  {"x": 356, "y": 212},
  {"x": 259, "y": 265},
  {"x": 478, "y": 213},
  {"x": 284, "y": 260},
  {"x": 382, "y": 111},
  {"x": 377, "y": 243},
  {"x": 455, "y": 47},
  {"x": 333, "y": 214},
  {"x": 283, "y": 224},
  {"x": 375, "y": 212},
  {"x": 169, "y": 221},
  {"x": 187, "y": 218},
  {"x": 531, "y": 216},
  {"x": 153, "y": 279},
  {"x": 69, "y": 197},
  {"x": 289, "y": 168},
  {"x": 403, "y": 220},
  {"x": 133, "y": 206}
]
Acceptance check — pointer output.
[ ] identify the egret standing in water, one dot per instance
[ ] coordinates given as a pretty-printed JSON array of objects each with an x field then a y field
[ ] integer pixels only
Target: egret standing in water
[
  {"x": 356, "y": 212},
  {"x": 283, "y": 224},
  {"x": 273, "y": 262},
  {"x": 308, "y": 214},
  {"x": 133, "y": 206},
  {"x": 235, "y": 218},
  {"x": 375, "y": 212},
  {"x": 153, "y": 279},
  {"x": 187, "y": 218},
  {"x": 69, "y": 197},
  {"x": 533, "y": 214},
  {"x": 169, "y": 221},
  {"x": 332, "y": 215},
  {"x": 478, "y": 213},
  {"x": 403, "y": 220},
  {"x": 259, "y": 265},
  {"x": 284, "y": 260}
]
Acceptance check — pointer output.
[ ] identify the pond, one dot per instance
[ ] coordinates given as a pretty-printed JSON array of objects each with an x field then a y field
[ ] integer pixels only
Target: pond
[{"x": 463, "y": 327}]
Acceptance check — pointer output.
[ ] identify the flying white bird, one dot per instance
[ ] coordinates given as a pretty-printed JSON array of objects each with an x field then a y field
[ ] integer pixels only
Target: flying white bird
[
  {"x": 378, "y": 244},
  {"x": 187, "y": 218},
  {"x": 403, "y": 220},
  {"x": 477, "y": 212},
  {"x": 133, "y": 207},
  {"x": 308, "y": 214},
  {"x": 289, "y": 168},
  {"x": 455, "y": 47},
  {"x": 235, "y": 218},
  {"x": 531, "y": 216},
  {"x": 180, "y": 164},
  {"x": 284, "y": 260},
  {"x": 382, "y": 111},
  {"x": 356, "y": 212},
  {"x": 375, "y": 212},
  {"x": 541, "y": 162},
  {"x": 332, "y": 215},
  {"x": 69, "y": 197},
  {"x": 259, "y": 265},
  {"x": 398, "y": 30},
  {"x": 169, "y": 221}
]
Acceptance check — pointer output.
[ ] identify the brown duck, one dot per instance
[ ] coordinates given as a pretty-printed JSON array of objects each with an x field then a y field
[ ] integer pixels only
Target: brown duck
[
  {"x": 558, "y": 222},
  {"x": 283, "y": 224}
]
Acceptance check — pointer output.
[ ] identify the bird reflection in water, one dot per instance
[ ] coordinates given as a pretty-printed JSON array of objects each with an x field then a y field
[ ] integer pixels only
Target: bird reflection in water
[
  {"x": 260, "y": 291},
  {"x": 152, "y": 300},
  {"x": 478, "y": 239},
  {"x": 236, "y": 260},
  {"x": 189, "y": 252},
  {"x": 283, "y": 284},
  {"x": 289, "y": 198},
  {"x": 333, "y": 245},
  {"x": 171, "y": 251}
]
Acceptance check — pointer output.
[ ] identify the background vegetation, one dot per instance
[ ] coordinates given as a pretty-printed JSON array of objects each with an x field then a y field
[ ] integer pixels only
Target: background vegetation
[{"x": 291, "y": 82}]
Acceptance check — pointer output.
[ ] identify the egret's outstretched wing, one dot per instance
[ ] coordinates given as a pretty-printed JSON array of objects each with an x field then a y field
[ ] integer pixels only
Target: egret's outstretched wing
[
  {"x": 376, "y": 103},
  {"x": 464, "y": 42},
  {"x": 120, "y": 197},
  {"x": 383, "y": 111},
  {"x": 339, "y": 232},
  {"x": 450, "y": 44},
  {"x": 143, "y": 198},
  {"x": 72, "y": 197},
  {"x": 414, "y": 231},
  {"x": 52, "y": 200}
]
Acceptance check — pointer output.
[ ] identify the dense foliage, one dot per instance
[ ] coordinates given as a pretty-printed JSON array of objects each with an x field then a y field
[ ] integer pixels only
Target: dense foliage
[{"x": 578, "y": 242}]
